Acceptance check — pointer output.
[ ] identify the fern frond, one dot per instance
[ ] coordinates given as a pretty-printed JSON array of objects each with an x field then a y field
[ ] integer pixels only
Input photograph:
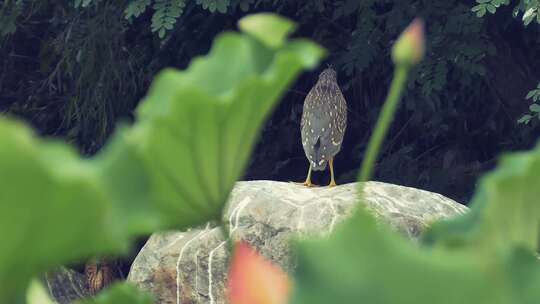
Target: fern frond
[{"x": 166, "y": 14}]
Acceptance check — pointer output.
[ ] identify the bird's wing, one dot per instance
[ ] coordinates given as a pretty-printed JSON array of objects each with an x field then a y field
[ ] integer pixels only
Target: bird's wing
[
  {"x": 308, "y": 106},
  {"x": 321, "y": 121},
  {"x": 342, "y": 113}
]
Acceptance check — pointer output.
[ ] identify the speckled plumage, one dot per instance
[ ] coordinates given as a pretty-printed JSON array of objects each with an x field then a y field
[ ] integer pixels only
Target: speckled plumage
[{"x": 324, "y": 120}]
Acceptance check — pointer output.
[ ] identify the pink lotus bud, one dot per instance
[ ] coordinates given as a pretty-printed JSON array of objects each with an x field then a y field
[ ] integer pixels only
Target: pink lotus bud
[
  {"x": 410, "y": 46},
  {"x": 254, "y": 280}
]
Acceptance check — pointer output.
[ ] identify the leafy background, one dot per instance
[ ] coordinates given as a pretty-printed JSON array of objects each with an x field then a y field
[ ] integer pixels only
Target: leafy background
[{"x": 75, "y": 68}]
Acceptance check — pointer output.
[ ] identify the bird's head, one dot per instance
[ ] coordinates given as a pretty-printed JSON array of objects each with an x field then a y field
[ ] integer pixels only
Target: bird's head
[{"x": 328, "y": 75}]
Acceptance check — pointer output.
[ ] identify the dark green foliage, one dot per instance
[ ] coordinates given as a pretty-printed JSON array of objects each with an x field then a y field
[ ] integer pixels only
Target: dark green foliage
[
  {"x": 165, "y": 15},
  {"x": 80, "y": 70},
  {"x": 136, "y": 8},
  {"x": 490, "y": 6},
  {"x": 530, "y": 10},
  {"x": 527, "y": 9},
  {"x": 461, "y": 108},
  {"x": 9, "y": 12},
  {"x": 214, "y": 5},
  {"x": 534, "y": 108}
]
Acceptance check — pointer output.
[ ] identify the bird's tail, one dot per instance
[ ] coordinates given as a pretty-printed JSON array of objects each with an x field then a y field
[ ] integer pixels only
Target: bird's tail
[{"x": 319, "y": 161}]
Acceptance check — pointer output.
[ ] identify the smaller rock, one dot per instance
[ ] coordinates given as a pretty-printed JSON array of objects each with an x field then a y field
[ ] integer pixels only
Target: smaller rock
[{"x": 66, "y": 285}]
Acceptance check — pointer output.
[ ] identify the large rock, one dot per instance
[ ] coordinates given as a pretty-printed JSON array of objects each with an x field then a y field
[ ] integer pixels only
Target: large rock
[{"x": 190, "y": 267}]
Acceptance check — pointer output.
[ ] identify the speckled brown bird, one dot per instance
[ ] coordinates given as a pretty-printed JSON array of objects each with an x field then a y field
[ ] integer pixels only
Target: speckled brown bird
[
  {"x": 324, "y": 119},
  {"x": 99, "y": 274}
]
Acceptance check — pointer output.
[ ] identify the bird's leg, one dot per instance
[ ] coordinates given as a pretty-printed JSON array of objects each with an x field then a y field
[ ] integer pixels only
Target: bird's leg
[
  {"x": 308, "y": 183},
  {"x": 332, "y": 181}
]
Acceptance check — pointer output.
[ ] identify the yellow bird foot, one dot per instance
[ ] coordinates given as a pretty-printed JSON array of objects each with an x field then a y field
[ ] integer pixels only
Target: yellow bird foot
[
  {"x": 306, "y": 184},
  {"x": 332, "y": 184},
  {"x": 309, "y": 184}
]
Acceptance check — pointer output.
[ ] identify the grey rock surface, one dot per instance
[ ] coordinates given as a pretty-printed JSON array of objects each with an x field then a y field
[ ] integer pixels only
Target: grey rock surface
[
  {"x": 66, "y": 285},
  {"x": 190, "y": 267}
]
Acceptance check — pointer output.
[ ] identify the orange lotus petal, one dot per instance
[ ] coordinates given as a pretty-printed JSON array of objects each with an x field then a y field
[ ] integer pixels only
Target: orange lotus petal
[{"x": 254, "y": 280}]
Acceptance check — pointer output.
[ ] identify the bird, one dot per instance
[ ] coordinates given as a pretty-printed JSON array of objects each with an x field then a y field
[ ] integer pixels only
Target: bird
[
  {"x": 99, "y": 274},
  {"x": 323, "y": 124}
]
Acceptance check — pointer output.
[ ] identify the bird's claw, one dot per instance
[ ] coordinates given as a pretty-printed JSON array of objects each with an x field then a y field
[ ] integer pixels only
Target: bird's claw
[
  {"x": 306, "y": 184},
  {"x": 309, "y": 184}
]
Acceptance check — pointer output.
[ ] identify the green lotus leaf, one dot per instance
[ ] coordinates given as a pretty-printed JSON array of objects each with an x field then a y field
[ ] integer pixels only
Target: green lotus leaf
[
  {"x": 504, "y": 212},
  {"x": 196, "y": 128},
  {"x": 268, "y": 28},
  {"x": 52, "y": 208}
]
